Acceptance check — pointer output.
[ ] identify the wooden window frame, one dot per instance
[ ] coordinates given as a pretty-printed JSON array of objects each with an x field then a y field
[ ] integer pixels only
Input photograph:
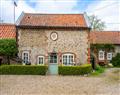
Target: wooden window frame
[
  {"x": 103, "y": 55},
  {"x": 27, "y": 52},
  {"x": 109, "y": 58},
  {"x": 68, "y": 54},
  {"x": 38, "y": 60}
]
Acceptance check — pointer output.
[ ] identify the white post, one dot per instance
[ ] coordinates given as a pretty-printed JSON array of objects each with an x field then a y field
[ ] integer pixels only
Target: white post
[{"x": 14, "y": 14}]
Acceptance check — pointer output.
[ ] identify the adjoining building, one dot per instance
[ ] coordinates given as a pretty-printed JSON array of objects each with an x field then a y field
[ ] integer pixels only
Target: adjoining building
[{"x": 106, "y": 37}]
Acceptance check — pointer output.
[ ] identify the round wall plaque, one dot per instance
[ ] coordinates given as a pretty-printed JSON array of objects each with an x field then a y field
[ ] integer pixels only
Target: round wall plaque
[{"x": 54, "y": 36}]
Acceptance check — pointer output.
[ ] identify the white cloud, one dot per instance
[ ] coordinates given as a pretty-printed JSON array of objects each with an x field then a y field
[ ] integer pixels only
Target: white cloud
[
  {"x": 7, "y": 9},
  {"x": 56, "y": 6},
  {"x": 22, "y": 6},
  {"x": 108, "y": 11}
]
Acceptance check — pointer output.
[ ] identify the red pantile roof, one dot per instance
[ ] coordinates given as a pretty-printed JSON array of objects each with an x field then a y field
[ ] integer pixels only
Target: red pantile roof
[
  {"x": 7, "y": 31},
  {"x": 53, "y": 20},
  {"x": 107, "y": 37}
]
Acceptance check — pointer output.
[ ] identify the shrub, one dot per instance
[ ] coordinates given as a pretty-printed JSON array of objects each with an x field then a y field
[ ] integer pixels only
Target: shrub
[
  {"x": 99, "y": 69},
  {"x": 22, "y": 70},
  {"x": 75, "y": 70},
  {"x": 116, "y": 60}
]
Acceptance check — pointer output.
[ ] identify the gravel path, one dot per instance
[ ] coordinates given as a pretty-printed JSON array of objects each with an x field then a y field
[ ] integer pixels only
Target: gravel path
[{"x": 60, "y": 85}]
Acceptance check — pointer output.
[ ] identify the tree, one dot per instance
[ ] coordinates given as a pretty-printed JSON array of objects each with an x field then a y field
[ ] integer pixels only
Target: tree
[
  {"x": 96, "y": 24},
  {"x": 8, "y": 48}
]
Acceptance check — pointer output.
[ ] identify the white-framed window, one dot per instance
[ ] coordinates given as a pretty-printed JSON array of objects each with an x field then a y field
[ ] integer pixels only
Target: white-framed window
[
  {"x": 101, "y": 55},
  {"x": 25, "y": 57},
  {"x": 68, "y": 59},
  {"x": 40, "y": 60},
  {"x": 109, "y": 56}
]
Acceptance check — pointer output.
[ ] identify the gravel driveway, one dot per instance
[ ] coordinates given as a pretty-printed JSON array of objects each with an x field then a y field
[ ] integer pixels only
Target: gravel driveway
[{"x": 60, "y": 85}]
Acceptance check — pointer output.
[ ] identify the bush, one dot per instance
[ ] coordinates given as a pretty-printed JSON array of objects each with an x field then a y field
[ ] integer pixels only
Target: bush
[
  {"x": 99, "y": 69},
  {"x": 22, "y": 70},
  {"x": 116, "y": 60},
  {"x": 75, "y": 70}
]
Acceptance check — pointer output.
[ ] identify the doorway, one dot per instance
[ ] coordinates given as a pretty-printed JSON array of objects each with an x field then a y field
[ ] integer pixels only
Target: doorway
[{"x": 53, "y": 63}]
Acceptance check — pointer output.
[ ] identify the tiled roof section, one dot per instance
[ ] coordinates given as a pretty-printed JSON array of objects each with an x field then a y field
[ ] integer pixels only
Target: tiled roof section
[
  {"x": 107, "y": 37},
  {"x": 53, "y": 20},
  {"x": 7, "y": 31}
]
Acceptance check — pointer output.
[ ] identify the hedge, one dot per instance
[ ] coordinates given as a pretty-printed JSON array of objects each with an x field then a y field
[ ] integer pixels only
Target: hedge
[
  {"x": 75, "y": 70},
  {"x": 22, "y": 70}
]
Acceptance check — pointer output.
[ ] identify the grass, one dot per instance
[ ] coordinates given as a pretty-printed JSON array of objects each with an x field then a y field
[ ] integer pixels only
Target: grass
[{"x": 99, "y": 70}]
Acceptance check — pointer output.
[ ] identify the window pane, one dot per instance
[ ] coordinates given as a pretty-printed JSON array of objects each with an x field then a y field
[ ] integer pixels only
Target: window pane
[
  {"x": 101, "y": 55},
  {"x": 67, "y": 59},
  {"x": 40, "y": 60},
  {"x": 109, "y": 56},
  {"x": 53, "y": 58},
  {"x": 25, "y": 57}
]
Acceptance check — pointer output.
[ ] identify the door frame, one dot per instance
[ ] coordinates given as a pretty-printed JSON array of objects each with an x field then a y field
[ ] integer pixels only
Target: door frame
[
  {"x": 49, "y": 60},
  {"x": 50, "y": 64}
]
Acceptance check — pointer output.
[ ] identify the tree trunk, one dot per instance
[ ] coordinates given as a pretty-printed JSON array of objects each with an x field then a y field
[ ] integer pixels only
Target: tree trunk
[
  {"x": 96, "y": 57},
  {"x": 8, "y": 59},
  {"x": 94, "y": 60}
]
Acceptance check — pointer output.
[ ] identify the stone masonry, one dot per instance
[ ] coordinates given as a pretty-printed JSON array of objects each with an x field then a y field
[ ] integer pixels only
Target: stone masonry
[{"x": 38, "y": 42}]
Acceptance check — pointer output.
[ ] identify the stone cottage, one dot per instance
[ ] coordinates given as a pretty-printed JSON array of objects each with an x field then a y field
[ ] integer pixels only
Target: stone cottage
[
  {"x": 106, "y": 37},
  {"x": 53, "y": 38}
]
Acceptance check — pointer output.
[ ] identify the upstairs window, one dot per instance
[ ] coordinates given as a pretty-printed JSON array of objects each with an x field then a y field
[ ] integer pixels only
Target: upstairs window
[
  {"x": 101, "y": 55},
  {"x": 40, "y": 60},
  {"x": 67, "y": 59}
]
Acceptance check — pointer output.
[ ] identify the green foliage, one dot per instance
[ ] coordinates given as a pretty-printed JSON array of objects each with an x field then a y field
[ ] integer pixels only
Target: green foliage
[
  {"x": 98, "y": 70},
  {"x": 96, "y": 24},
  {"x": 75, "y": 70},
  {"x": 22, "y": 70},
  {"x": 116, "y": 60},
  {"x": 102, "y": 46},
  {"x": 8, "y": 47}
]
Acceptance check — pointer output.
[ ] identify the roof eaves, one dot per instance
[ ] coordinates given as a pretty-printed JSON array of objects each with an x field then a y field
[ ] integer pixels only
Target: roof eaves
[
  {"x": 7, "y": 24},
  {"x": 59, "y": 27}
]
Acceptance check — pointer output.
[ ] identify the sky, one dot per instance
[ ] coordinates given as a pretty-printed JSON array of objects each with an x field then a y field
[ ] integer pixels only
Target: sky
[{"x": 106, "y": 10}]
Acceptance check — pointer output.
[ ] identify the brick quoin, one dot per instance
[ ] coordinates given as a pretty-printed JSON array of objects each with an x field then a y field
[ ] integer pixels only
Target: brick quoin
[{"x": 88, "y": 60}]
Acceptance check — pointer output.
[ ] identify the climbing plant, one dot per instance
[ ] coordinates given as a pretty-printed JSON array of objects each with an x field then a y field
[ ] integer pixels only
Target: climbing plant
[{"x": 102, "y": 46}]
